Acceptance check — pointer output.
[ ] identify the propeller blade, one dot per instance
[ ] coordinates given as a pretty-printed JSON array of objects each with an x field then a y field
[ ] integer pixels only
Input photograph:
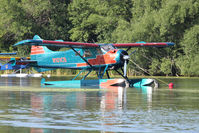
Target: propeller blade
[
  {"x": 126, "y": 58},
  {"x": 125, "y": 67}
]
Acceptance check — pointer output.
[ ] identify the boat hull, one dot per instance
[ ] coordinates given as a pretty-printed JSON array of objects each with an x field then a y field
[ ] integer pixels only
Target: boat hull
[{"x": 20, "y": 75}]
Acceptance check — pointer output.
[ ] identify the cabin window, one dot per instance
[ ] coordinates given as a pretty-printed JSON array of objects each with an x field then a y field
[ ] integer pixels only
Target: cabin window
[
  {"x": 99, "y": 51},
  {"x": 87, "y": 53}
]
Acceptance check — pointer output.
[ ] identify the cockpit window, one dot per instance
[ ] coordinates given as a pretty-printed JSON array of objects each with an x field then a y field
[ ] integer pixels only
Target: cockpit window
[
  {"x": 87, "y": 53},
  {"x": 99, "y": 51},
  {"x": 107, "y": 47}
]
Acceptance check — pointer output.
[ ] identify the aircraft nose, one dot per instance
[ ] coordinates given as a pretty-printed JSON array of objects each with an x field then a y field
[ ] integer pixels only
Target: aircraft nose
[{"x": 124, "y": 56}]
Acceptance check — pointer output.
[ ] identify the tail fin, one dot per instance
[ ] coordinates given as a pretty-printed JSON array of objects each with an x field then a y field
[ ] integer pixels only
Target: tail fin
[{"x": 38, "y": 50}]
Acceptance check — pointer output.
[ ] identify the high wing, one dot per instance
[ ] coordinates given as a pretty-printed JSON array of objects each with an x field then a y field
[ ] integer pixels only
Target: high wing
[
  {"x": 144, "y": 44},
  {"x": 60, "y": 43}
]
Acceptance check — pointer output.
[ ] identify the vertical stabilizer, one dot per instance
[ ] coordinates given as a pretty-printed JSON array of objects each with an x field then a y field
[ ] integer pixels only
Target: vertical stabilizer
[
  {"x": 38, "y": 50},
  {"x": 38, "y": 53}
]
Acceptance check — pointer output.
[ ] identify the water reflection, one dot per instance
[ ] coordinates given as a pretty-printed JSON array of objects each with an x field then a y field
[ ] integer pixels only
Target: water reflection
[
  {"x": 14, "y": 81},
  {"x": 108, "y": 106},
  {"x": 22, "y": 82},
  {"x": 147, "y": 94},
  {"x": 113, "y": 109},
  {"x": 106, "y": 101}
]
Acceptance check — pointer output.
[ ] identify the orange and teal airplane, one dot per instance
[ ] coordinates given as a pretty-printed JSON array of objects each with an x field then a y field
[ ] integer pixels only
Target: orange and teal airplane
[{"x": 85, "y": 57}]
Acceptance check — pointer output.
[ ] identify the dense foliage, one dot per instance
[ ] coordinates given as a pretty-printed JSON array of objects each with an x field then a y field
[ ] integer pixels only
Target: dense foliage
[{"x": 104, "y": 21}]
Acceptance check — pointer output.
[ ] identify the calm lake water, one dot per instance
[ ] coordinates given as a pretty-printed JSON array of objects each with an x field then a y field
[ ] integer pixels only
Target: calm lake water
[{"x": 26, "y": 107}]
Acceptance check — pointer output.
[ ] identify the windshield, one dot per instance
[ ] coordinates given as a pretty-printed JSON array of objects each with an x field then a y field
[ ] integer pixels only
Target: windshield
[{"x": 107, "y": 47}]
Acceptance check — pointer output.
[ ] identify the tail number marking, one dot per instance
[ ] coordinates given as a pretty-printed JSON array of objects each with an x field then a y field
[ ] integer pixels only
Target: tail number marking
[{"x": 59, "y": 60}]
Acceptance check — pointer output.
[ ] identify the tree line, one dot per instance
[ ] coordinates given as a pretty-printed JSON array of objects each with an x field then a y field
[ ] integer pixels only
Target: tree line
[{"x": 111, "y": 21}]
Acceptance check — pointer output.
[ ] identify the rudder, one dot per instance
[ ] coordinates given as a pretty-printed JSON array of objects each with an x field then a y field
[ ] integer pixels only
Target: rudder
[
  {"x": 37, "y": 53},
  {"x": 38, "y": 50}
]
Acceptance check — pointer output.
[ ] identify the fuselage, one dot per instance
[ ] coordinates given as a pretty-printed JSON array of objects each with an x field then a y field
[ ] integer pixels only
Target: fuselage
[{"x": 101, "y": 57}]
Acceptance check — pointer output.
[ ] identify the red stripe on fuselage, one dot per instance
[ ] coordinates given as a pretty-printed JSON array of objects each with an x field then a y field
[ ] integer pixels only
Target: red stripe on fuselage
[
  {"x": 108, "y": 58},
  {"x": 37, "y": 50}
]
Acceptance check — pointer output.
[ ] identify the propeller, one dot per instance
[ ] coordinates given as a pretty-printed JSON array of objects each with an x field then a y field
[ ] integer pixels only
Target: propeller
[{"x": 126, "y": 58}]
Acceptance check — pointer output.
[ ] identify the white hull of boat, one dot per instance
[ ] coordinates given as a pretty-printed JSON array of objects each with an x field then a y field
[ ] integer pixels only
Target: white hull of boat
[
  {"x": 22, "y": 75},
  {"x": 36, "y": 75}
]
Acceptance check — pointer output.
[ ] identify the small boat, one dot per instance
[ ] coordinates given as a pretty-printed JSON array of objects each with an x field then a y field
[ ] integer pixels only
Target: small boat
[
  {"x": 35, "y": 75},
  {"x": 19, "y": 75}
]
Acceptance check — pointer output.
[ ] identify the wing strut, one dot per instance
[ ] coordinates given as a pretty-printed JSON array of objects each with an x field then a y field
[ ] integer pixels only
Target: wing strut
[
  {"x": 128, "y": 48},
  {"x": 125, "y": 77},
  {"x": 81, "y": 57}
]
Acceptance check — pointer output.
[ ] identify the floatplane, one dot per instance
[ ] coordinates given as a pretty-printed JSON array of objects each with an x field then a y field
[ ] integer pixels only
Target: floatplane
[
  {"x": 86, "y": 57},
  {"x": 17, "y": 64}
]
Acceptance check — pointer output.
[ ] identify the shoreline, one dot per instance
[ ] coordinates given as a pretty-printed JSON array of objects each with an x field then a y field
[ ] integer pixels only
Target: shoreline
[{"x": 180, "y": 77}]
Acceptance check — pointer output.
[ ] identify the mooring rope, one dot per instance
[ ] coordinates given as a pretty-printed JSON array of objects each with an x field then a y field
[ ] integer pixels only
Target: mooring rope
[{"x": 147, "y": 72}]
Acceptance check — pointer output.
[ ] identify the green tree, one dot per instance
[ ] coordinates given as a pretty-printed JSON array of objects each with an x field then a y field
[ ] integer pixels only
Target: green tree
[
  {"x": 166, "y": 66},
  {"x": 106, "y": 21},
  {"x": 188, "y": 60},
  {"x": 95, "y": 20},
  {"x": 165, "y": 21},
  {"x": 22, "y": 19},
  {"x": 155, "y": 67}
]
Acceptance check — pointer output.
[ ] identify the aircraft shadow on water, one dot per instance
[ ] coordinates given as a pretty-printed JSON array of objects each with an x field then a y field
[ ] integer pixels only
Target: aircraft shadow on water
[{"x": 86, "y": 57}]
